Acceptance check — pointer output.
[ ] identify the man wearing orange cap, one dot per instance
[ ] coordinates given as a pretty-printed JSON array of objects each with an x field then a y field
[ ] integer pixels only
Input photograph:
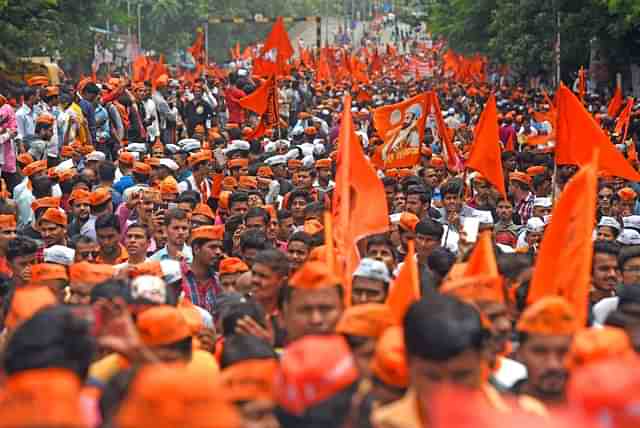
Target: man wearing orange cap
[
  {"x": 519, "y": 190},
  {"x": 53, "y": 227},
  {"x": 112, "y": 252},
  {"x": 546, "y": 331},
  {"x": 230, "y": 269},
  {"x": 313, "y": 301},
  {"x": 445, "y": 344},
  {"x": 80, "y": 210},
  {"x": 7, "y": 234},
  {"x": 200, "y": 281},
  {"x": 324, "y": 181},
  {"x": 198, "y": 181}
]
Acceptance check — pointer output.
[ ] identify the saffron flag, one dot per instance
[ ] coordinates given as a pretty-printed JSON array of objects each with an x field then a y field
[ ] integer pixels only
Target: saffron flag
[
  {"x": 401, "y": 127},
  {"x": 277, "y": 48},
  {"x": 622, "y": 124},
  {"x": 264, "y": 102},
  {"x": 451, "y": 156},
  {"x": 616, "y": 103},
  {"x": 197, "y": 49},
  {"x": 359, "y": 205},
  {"x": 405, "y": 289},
  {"x": 485, "y": 156},
  {"x": 582, "y": 83},
  {"x": 578, "y": 136},
  {"x": 563, "y": 267}
]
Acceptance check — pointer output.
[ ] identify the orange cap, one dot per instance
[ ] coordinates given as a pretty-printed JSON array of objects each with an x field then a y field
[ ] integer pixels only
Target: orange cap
[
  {"x": 521, "y": 177},
  {"x": 408, "y": 221},
  {"x": 90, "y": 273},
  {"x": 25, "y": 159},
  {"x": 46, "y": 202},
  {"x": 79, "y": 196},
  {"x": 551, "y": 316},
  {"x": 473, "y": 289},
  {"x": 313, "y": 227},
  {"x": 264, "y": 171},
  {"x": 232, "y": 265},
  {"x": 368, "y": 320},
  {"x": 436, "y": 162},
  {"x": 391, "y": 172},
  {"x": 536, "y": 170},
  {"x": 389, "y": 363},
  {"x": 191, "y": 315},
  {"x": 205, "y": 210},
  {"x": 66, "y": 175},
  {"x": 238, "y": 163},
  {"x": 28, "y": 399},
  {"x": 67, "y": 151},
  {"x": 34, "y": 167},
  {"x": 45, "y": 119},
  {"x": 314, "y": 275},
  {"x": 126, "y": 158},
  {"x": 100, "y": 196},
  {"x": 627, "y": 194},
  {"x": 8, "y": 221},
  {"x": 209, "y": 233},
  {"x": 26, "y": 302},
  {"x": 249, "y": 380},
  {"x": 169, "y": 186},
  {"x": 310, "y": 130},
  {"x": 247, "y": 131},
  {"x": 229, "y": 182},
  {"x": 175, "y": 395},
  {"x": 303, "y": 379},
  {"x": 162, "y": 325},
  {"x": 323, "y": 163},
  {"x": 294, "y": 163},
  {"x": 151, "y": 268},
  {"x": 39, "y": 80},
  {"x": 141, "y": 168},
  {"x": 46, "y": 271},
  {"x": 592, "y": 345},
  {"x": 197, "y": 157},
  {"x": 404, "y": 172},
  {"x": 56, "y": 216},
  {"x": 248, "y": 182}
]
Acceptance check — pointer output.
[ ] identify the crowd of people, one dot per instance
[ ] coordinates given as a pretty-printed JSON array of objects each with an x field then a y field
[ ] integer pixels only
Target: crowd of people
[{"x": 165, "y": 264}]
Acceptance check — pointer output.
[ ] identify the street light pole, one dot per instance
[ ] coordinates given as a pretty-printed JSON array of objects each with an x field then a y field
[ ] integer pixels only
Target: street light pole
[{"x": 140, "y": 25}]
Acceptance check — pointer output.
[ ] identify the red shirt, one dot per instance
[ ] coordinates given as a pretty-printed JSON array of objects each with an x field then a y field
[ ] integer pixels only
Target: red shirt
[{"x": 232, "y": 96}]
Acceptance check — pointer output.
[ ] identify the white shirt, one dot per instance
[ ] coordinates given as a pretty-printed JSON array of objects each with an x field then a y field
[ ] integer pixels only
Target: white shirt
[
  {"x": 150, "y": 113},
  {"x": 603, "y": 309}
]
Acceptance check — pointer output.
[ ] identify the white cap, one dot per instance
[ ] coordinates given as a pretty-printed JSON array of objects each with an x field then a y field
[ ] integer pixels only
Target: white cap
[
  {"x": 242, "y": 72},
  {"x": 172, "y": 148},
  {"x": 137, "y": 147},
  {"x": 96, "y": 156},
  {"x": 292, "y": 154},
  {"x": 609, "y": 222},
  {"x": 169, "y": 163},
  {"x": 631, "y": 222},
  {"x": 186, "y": 141},
  {"x": 270, "y": 147},
  {"x": 535, "y": 225},
  {"x": 150, "y": 288},
  {"x": 308, "y": 161},
  {"x": 319, "y": 148},
  {"x": 192, "y": 146},
  {"x": 307, "y": 149},
  {"x": 542, "y": 202},
  {"x": 484, "y": 216},
  {"x": 451, "y": 110},
  {"x": 283, "y": 143},
  {"x": 236, "y": 145},
  {"x": 59, "y": 254},
  {"x": 629, "y": 237},
  {"x": 373, "y": 269},
  {"x": 276, "y": 160}
]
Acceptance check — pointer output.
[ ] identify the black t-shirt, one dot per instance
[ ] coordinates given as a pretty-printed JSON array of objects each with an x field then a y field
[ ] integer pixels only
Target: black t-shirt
[{"x": 197, "y": 112}]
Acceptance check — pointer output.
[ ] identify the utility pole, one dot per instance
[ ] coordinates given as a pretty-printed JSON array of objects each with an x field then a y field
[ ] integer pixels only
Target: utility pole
[
  {"x": 140, "y": 25},
  {"x": 558, "y": 74}
]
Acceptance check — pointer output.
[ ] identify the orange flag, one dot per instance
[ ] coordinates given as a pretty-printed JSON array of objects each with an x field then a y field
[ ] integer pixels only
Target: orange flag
[
  {"x": 323, "y": 73},
  {"x": 257, "y": 101},
  {"x": 406, "y": 287},
  {"x": 622, "y": 124},
  {"x": 632, "y": 153},
  {"x": 449, "y": 151},
  {"x": 483, "y": 259},
  {"x": 359, "y": 208},
  {"x": 578, "y": 136},
  {"x": 401, "y": 127},
  {"x": 510, "y": 146},
  {"x": 278, "y": 46},
  {"x": 485, "y": 156},
  {"x": 616, "y": 103},
  {"x": 197, "y": 49},
  {"x": 563, "y": 267},
  {"x": 582, "y": 83},
  {"x": 139, "y": 68}
]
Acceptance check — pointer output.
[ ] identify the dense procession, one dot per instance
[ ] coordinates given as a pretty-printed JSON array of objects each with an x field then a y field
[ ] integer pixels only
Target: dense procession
[{"x": 370, "y": 234}]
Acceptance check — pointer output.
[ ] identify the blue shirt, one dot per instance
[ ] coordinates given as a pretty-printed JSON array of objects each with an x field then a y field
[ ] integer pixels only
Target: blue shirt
[
  {"x": 163, "y": 254},
  {"x": 123, "y": 184},
  {"x": 90, "y": 114}
]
